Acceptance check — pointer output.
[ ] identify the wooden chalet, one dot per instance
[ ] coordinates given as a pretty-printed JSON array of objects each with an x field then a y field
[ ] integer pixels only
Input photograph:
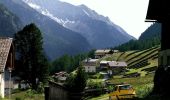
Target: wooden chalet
[
  {"x": 159, "y": 11},
  {"x": 6, "y": 62}
]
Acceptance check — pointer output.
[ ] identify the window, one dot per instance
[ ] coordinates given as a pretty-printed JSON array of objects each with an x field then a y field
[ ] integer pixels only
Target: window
[{"x": 125, "y": 87}]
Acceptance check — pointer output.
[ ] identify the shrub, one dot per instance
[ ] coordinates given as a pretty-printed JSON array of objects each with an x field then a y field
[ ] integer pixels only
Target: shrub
[
  {"x": 144, "y": 90},
  {"x": 77, "y": 82},
  {"x": 30, "y": 93},
  {"x": 92, "y": 84},
  {"x": 18, "y": 98}
]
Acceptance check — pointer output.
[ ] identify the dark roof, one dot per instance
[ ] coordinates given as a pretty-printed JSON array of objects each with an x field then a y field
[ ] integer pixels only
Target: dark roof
[
  {"x": 158, "y": 10},
  {"x": 5, "y": 44}
]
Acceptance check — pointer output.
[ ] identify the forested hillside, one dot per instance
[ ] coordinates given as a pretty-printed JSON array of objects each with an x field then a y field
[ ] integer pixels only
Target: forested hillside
[{"x": 148, "y": 39}]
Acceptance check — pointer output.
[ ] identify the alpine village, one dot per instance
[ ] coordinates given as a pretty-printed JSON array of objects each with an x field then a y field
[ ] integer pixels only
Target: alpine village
[{"x": 54, "y": 50}]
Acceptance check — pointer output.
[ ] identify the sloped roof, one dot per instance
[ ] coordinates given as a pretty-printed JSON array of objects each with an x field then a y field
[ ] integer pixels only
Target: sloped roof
[
  {"x": 5, "y": 44},
  {"x": 104, "y": 62},
  {"x": 117, "y": 64},
  {"x": 90, "y": 60},
  {"x": 103, "y": 51},
  {"x": 158, "y": 10}
]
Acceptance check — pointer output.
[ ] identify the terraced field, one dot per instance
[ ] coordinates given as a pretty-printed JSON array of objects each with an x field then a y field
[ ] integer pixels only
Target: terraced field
[
  {"x": 142, "y": 62},
  {"x": 139, "y": 72}
]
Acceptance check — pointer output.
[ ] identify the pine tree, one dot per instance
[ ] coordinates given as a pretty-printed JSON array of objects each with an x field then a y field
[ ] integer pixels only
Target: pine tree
[{"x": 33, "y": 64}]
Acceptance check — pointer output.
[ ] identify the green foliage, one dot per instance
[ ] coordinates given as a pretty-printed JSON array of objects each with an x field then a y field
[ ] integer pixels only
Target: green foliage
[
  {"x": 96, "y": 76},
  {"x": 92, "y": 84},
  {"x": 110, "y": 88},
  {"x": 139, "y": 44},
  {"x": 91, "y": 54},
  {"x": 31, "y": 63},
  {"x": 144, "y": 91},
  {"x": 77, "y": 82},
  {"x": 67, "y": 63},
  {"x": 153, "y": 31},
  {"x": 30, "y": 93},
  {"x": 148, "y": 39},
  {"x": 18, "y": 98}
]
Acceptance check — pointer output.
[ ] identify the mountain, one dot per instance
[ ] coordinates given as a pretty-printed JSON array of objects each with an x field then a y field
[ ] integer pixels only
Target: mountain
[
  {"x": 58, "y": 40},
  {"x": 149, "y": 38},
  {"x": 9, "y": 23},
  {"x": 153, "y": 31},
  {"x": 97, "y": 29}
]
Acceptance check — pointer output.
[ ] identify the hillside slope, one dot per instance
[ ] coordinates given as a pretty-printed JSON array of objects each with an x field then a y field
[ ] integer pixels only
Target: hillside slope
[
  {"x": 138, "y": 61},
  {"x": 9, "y": 23},
  {"x": 149, "y": 38},
  {"x": 58, "y": 40},
  {"x": 153, "y": 31},
  {"x": 97, "y": 29}
]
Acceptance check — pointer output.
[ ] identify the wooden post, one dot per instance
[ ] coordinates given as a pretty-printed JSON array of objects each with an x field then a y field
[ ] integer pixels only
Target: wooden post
[
  {"x": 10, "y": 71},
  {"x": 46, "y": 92}
]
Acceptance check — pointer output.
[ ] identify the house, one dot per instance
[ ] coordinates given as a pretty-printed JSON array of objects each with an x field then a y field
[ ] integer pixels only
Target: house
[
  {"x": 158, "y": 11},
  {"x": 117, "y": 64},
  {"x": 61, "y": 76},
  {"x": 112, "y": 67},
  {"x": 115, "y": 51},
  {"x": 101, "y": 53},
  {"x": 115, "y": 67},
  {"x": 6, "y": 62},
  {"x": 90, "y": 65},
  {"x": 104, "y": 64}
]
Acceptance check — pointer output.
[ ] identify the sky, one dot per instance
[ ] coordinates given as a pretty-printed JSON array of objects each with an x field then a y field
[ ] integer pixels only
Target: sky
[{"x": 128, "y": 14}]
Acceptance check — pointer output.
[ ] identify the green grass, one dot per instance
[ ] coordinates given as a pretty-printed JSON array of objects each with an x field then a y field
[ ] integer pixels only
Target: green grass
[
  {"x": 101, "y": 97},
  {"x": 142, "y": 85},
  {"x": 26, "y": 95},
  {"x": 143, "y": 57},
  {"x": 113, "y": 57},
  {"x": 152, "y": 63},
  {"x": 137, "y": 60}
]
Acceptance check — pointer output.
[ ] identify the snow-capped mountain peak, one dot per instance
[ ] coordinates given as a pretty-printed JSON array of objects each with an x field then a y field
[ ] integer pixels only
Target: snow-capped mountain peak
[
  {"x": 47, "y": 13},
  {"x": 96, "y": 28}
]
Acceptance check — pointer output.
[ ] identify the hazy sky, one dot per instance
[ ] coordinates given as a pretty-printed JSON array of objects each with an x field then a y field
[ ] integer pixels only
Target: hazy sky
[{"x": 129, "y": 14}]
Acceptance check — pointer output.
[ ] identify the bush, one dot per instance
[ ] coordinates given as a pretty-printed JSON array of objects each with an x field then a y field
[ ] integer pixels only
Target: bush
[
  {"x": 92, "y": 84},
  {"x": 18, "y": 98},
  {"x": 30, "y": 93},
  {"x": 40, "y": 88},
  {"x": 77, "y": 82},
  {"x": 144, "y": 91},
  {"x": 96, "y": 76}
]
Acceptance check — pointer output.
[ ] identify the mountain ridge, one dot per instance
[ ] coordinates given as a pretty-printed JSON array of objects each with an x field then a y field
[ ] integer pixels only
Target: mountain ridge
[
  {"x": 57, "y": 39},
  {"x": 78, "y": 18},
  {"x": 9, "y": 22}
]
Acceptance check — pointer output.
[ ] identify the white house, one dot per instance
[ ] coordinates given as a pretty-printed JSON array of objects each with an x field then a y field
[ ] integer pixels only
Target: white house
[
  {"x": 90, "y": 65},
  {"x": 6, "y": 62}
]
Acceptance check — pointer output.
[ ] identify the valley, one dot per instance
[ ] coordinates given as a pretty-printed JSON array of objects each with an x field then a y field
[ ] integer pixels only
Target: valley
[{"x": 60, "y": 51}]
